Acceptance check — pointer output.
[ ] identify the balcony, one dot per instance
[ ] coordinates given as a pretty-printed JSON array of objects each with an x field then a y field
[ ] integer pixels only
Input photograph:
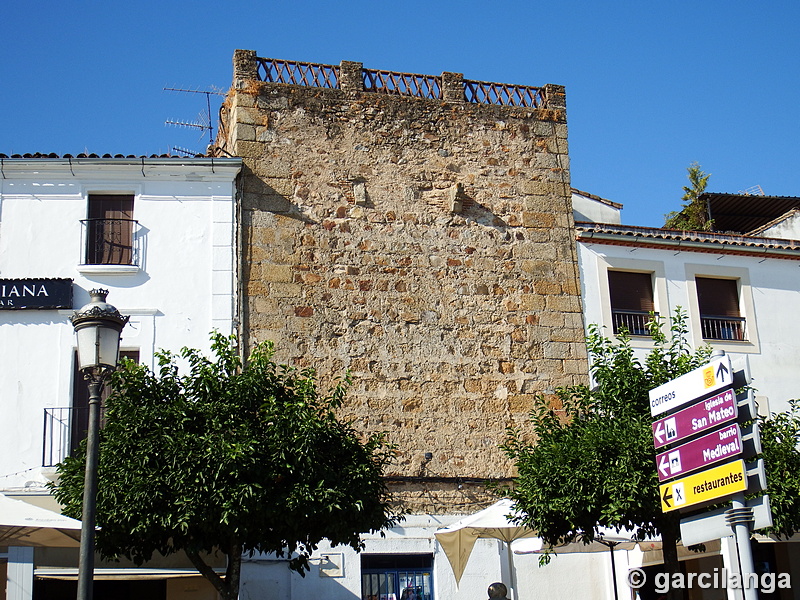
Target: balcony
[
  {"x": 64, "y": 429},
  {"x": 723, "y": 328},
  {"x": 634, "y": 322},
  {"x": 110, "y": 242}
]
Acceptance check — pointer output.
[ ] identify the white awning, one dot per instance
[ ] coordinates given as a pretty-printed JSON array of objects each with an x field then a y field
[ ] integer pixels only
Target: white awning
[{"x": 118, "y": 574}]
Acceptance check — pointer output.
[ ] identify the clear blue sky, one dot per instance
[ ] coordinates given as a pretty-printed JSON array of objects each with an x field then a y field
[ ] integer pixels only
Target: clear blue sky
[{"x": 651, "y": 86}]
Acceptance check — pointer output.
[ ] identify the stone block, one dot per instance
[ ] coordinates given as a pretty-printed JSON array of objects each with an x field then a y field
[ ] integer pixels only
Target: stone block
[
  {"x": 550, "y": 289},
  {"x": 270, "y": 168},
  {"x": 272, "y": 203},
  {"x": 563, "y": 304},
  {"x": 244, "y": 100},
  {"x": 249, "y": 116},
  {"x": 555, "y": 320},
  {"x": 285, "y": 290},
  {"x": 537, "y": 268},
  {"x": 532, "y": 302},
  {"x": 245, "y": 133},
  {"x": 538, "y": 219},
  {"x": 249, "y": 149},
  {"x": 520, "y": 403},
  {"x": 276, "y": 273}
]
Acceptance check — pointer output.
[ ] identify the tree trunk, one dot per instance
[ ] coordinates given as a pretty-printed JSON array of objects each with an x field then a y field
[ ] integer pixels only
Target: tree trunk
[
  {"x": 227, "y": 587},
  {"x": 670, "y": 533}
]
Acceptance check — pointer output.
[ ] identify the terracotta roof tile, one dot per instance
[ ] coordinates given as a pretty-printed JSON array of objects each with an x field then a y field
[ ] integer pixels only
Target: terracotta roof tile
[{"x": 92, "y": 155}]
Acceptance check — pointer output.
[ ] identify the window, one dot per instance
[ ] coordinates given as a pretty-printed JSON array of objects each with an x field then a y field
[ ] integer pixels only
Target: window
[
  {"x": 65, "y": 427},
  {"x": 109, "y": 230},
  {"x": 718, "y": 301},
  {"x": 3, "y": 570},
  {"x": 631, "y": 301},
  {"x": 396, "y": 577}
]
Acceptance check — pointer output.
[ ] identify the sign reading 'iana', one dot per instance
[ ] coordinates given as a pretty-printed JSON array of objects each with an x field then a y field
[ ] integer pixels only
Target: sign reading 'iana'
[{"x": 16, "y": 294}]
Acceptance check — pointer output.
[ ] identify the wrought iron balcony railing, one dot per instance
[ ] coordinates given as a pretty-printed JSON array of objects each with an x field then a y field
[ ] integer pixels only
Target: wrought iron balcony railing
[
  {"x": 723, "y": 328},
  {"x": 64, "y": 429},
  {"x": 634, "y": 322},
  {"x": 110, "y": 241}
]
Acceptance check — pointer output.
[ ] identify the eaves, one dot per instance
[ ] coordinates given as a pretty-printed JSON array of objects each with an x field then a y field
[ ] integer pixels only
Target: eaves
[{"x": 699, "y": 242}]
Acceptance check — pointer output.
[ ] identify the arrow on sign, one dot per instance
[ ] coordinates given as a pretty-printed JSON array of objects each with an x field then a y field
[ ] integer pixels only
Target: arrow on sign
[
  {"x": 722, "y": 370},
  {"x": 659, "y": 432},
  {"x": 667, "y": 497},
  {"x": 663, "y": 466}
]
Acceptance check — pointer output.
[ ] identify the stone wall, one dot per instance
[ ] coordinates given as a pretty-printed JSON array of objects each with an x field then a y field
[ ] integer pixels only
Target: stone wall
[{"x": 425, "y": 245}]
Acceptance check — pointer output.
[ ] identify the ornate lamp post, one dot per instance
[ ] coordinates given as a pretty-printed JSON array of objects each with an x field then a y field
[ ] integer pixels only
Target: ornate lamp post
[{"x": 98, "y": 326}]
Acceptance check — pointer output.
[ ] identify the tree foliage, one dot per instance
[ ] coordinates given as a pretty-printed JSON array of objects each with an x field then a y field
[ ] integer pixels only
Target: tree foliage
[
  {"x": 694, "y": 214},
  {"x": 593, "y": 462},
  {"x": 234, "y": 457},
  {"x": 780, "y": 438}
]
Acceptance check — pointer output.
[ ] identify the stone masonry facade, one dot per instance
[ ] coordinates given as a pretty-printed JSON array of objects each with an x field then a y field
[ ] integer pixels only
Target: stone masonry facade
[{"x": 418, "y": 239}]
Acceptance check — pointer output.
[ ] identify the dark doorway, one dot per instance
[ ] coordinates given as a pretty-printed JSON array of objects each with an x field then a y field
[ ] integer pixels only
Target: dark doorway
[{"x": 124, "y": 589}]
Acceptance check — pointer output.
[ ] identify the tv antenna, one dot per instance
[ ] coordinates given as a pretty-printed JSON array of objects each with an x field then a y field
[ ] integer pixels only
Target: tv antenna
[
  {"x": 203, "y": 122},
  {"x": 754, "y": 190}
]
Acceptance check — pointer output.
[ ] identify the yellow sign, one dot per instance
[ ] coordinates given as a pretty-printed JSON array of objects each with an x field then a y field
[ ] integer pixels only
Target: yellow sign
[{"x": 724, "y": 480}]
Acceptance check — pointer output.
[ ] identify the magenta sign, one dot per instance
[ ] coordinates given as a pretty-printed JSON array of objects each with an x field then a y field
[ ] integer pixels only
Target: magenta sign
[
  {"x": 699, "y": 417},
  {"x": 714, "y": 447}
]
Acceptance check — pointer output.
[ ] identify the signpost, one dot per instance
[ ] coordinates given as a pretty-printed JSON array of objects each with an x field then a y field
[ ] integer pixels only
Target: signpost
[
  {"x": 704, "y": 486},
  {"x": 709, "y": 434},
  {"x": 719, "y": 445},
  {"x": 695, "y": 384},
  {"x": 700, "y": 417}
]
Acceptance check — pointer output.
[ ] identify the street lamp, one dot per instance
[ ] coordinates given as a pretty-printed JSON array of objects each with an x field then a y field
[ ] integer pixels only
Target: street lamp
[{"x": 98, "y": 326}]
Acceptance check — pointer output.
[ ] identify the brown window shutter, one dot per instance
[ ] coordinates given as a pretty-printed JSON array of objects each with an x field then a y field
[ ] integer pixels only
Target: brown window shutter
[
  {"x": 631, "y": 291},
  {"x": 110, "y": 235},
  {"x": 718, "y": 297}
]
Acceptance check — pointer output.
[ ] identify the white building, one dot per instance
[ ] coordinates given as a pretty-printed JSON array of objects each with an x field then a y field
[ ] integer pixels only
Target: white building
[
  {"x": 159, "y": 233},
  {"x": 735, "y": 287},
  {"x": 738, "y": 286}
]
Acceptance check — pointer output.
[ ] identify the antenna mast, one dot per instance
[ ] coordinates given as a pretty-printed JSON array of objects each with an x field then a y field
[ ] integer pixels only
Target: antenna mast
[{"x": 204, "y": 122}]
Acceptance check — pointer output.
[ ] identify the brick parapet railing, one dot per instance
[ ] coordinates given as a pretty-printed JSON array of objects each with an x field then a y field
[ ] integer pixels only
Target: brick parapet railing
[{"x": 353, "y": 77}]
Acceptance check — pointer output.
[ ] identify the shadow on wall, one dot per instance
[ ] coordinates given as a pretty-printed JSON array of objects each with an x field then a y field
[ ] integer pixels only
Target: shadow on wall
[{"x": 258, "y": 195}]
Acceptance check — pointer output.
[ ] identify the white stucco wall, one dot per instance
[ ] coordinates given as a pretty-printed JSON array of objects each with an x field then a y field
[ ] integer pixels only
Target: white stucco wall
[
  {"x": 183, "y": 289},
  {"x": 788, "y": 229},
  {"x": 768, "y": 290},
  {"x": 262, "y": 576},
  {"x": 585, "y": 208}
]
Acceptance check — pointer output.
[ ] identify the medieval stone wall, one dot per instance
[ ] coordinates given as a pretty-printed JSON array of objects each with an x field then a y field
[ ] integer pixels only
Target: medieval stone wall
[{"x": 425, "y": 245}]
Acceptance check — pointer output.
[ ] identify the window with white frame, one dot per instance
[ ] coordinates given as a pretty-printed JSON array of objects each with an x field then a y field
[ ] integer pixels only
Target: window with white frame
[
  {"x": 718, "y": 303},
  {"x": 631, "y": 295},
  {"x": 109, "y": 230}
]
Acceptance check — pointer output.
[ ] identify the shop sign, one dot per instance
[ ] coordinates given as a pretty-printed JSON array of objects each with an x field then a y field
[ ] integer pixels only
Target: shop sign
[{"x": 18, "y": 294}]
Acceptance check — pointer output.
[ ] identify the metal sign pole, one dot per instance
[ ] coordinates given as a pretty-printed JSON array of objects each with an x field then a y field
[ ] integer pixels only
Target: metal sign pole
[{"x": 740, "y": 518}]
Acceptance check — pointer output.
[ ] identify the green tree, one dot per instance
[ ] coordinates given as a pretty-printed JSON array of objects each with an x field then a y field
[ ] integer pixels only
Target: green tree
[
  {"x": 235, "y": 457},
  {"x": 593, "y": 461},
  {"x": 780, "y": 438},
  {"x": 694, "y": 214}
]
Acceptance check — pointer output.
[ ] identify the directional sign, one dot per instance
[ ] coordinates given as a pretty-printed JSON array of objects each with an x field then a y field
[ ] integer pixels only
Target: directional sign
[
  {"x": 701, "y": 487},
  {"x": 711, "y": 412},
  {"x": 695, "y": 384},
  {"x": 707, "y": 450}
]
